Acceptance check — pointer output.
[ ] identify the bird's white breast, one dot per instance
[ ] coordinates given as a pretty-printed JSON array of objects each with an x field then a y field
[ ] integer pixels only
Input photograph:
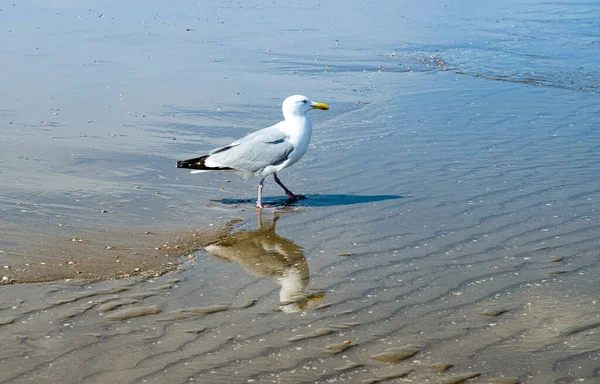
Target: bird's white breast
[
  {"x": 300, "y": 133},
  {"x": 298, "y": 130}
]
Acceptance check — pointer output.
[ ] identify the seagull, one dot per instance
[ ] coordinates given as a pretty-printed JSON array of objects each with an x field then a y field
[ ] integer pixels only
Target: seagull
[{"x": 266, "y": 151}]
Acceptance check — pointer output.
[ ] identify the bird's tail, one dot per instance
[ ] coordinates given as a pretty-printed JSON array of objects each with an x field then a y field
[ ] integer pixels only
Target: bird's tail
[{"x": 199, "y": 165}]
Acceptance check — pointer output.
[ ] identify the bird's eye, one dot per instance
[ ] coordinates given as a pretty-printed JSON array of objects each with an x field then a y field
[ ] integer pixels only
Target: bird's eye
[{"x": 304, "y": 101}]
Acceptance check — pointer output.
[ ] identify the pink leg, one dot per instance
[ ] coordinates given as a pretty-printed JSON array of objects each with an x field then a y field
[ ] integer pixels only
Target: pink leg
[
  {"x": 289, "y": 193},
  {"x": 259, "y": 217},
  {"x": 259, "y": 200}
]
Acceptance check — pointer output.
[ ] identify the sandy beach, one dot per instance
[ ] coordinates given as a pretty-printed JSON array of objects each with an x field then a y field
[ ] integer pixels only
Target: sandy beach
[{"x": 450, "y": 231}]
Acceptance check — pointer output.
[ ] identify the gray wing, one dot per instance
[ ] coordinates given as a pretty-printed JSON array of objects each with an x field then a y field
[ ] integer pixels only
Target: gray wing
[{"x": 252, "y": 153}]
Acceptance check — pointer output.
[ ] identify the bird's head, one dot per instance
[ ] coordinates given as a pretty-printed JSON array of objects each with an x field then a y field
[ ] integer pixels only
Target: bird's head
[{"x": 298, "y": 105}]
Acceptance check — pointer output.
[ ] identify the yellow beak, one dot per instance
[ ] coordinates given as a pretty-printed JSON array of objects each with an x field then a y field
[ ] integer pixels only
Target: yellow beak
[{"x": 322, "y": 106}]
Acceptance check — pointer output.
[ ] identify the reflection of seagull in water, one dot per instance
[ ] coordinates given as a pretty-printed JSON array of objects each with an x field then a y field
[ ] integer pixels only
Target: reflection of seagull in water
[
  {"x": 267, "y": 151},
  {"x": 264, "y": 253}
]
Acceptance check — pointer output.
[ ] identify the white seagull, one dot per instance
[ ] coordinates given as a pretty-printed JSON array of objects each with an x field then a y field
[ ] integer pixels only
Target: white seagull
[{"x": 266, "y": 151}]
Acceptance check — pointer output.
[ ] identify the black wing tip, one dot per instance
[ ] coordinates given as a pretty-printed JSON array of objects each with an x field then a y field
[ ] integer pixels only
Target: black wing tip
[
  {"x": 198, "y": 163},
  {"x": 182, "y": 164}
]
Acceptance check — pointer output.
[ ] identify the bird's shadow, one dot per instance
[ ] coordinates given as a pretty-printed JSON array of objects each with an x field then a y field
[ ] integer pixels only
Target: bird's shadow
[{"x": 314, "y": 200}]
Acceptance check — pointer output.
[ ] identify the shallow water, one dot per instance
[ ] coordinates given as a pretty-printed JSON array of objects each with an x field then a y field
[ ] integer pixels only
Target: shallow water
[{"x": 447, "y": 214}]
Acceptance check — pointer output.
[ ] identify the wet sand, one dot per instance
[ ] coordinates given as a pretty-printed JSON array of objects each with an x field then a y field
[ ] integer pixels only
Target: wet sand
[
  {"x": 101, "y": 253},
  {"x": 449, "y": 232}
]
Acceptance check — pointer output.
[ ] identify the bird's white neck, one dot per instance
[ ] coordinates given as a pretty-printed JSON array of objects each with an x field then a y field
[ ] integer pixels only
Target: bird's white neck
[
  {"x": 297, "y": 124},
  {"x": 293, "y": 114}
]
